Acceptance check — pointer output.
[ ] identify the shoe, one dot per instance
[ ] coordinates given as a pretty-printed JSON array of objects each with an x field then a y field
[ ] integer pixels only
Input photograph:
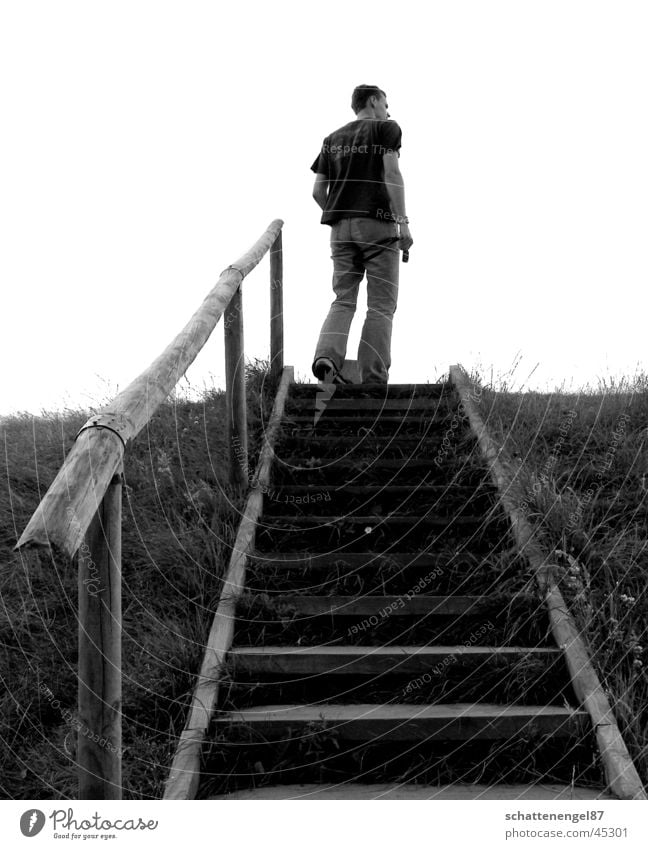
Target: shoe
[{"x": 325, "y": 371}]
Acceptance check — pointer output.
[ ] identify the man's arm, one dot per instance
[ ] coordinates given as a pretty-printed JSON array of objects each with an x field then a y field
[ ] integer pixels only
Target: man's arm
[
  {"x": 396, "y": 192},
  {"x": 320, "y": 189}
]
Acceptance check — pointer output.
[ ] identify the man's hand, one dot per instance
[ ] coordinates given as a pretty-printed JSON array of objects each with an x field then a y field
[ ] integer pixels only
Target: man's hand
[
  {"x": 396, "y": 192},
  {"x": 406, "y": 240}
]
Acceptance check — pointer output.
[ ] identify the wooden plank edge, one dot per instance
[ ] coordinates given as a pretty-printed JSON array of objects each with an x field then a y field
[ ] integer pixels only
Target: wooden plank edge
[
  {"x": 65, "y": 512},
  {"x": 184, "y": 775},
  {"x": 620, "y": 772}
]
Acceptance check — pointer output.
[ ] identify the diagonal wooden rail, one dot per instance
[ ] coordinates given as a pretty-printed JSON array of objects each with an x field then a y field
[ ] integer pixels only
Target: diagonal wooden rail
[
  {"x": 621, "y": 774},
  {"x": 81, "y": 510},
  {"x": 64, "y": 515},
  {"x": 185, "y": 770}
]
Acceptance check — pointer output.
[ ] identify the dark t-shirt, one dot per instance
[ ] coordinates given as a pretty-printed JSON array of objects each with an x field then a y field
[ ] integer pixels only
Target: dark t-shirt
[{"x": 352, "y": 160}]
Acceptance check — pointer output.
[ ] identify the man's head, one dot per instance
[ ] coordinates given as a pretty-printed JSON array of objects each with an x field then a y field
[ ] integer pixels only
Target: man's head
[{"x": 369, "y": 101}]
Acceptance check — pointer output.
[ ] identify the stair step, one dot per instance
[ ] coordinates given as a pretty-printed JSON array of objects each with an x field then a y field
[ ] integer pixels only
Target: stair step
[
  {"x": 371, "y": 390},
  {"x": 377, "y": 425},
  {"x": 372, "y": 605},
  {"x": 317, "y": 499},
  {"x": 427, "y": 570},
  {"x": 368, "y": 660},
  {"x": 329, "y": 449},
  {"x": 335, "y": 404},
  {"x": 415, "y": 722},
  {"x": 432, "y": 423},
  {"x": 357, "y": 533},
  {"x": 398, "y": 465},
  {"x": 351, "y": 789},
  {"x": 359, "y": 559},
  {"x": 371, "y": 490},
  {"x": 378, "y": 464},
  {"x": 314, "y": 521},
  {"x": 368, "y": 440}
]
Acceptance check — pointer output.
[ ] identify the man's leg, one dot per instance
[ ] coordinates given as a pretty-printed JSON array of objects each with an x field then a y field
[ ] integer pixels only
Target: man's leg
[
  {"x": 348, "y": 271},
  {"x": 381, "y": 258}
]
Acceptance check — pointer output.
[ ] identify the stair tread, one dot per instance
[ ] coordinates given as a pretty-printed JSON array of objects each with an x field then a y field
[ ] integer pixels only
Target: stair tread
[
  {"x": 405, "y": 791},
  {"x": 354, "y": 559},
  {"x": 388, "y": 438},
  {"x": 370, "y": 420},
  {"x": 421, "y": 723},
  {"x": 446, "y": 489},
  {"x": 370, "y": 660},
  {"x": 380, "y": 387},
  {"x": 335, "y": 403},
  {"x": 400, "y": 710},
  {"x": 405, "y": 518},
  {"x": 301, "y": 683},
  {"x": 394, "y": 463},
  {"x": 388, "y": 651},
  {"x": 398, "y": 605}
]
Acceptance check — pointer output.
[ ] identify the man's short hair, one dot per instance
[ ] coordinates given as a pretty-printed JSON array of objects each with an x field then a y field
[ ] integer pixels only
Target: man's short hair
[{"x": 361, "y": 95}]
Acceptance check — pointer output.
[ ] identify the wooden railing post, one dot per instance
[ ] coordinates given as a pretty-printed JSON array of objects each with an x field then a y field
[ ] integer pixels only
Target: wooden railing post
[
  {"x": 235, "y": 391},
  {"x": 276, "y": 308},
  {"x": 99, "y": 737},
  {"x": 67, "y": 516},
  {"x": 86, "y": 473}
]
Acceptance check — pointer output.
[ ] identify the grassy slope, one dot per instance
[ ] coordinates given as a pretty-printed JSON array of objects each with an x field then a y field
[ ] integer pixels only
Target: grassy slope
[
  {"x": 585, "y": 471},
  {"x": 179, "y": 522}
]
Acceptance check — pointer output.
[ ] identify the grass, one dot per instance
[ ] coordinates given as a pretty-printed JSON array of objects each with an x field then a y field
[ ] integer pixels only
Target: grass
[
  {"x": 584, "y": 470},
  {"x": 239, "y": 759},
  {"x": 179, "y": 521}
]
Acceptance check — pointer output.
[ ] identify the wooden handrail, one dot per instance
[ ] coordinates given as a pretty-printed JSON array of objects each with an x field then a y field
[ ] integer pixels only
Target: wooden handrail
[
  {"x": 81, "y": 511},
  {"x": 65, "y": 512}
]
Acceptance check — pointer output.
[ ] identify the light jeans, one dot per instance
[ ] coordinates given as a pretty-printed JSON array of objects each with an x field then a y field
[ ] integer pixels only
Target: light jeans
[{"x": 359, "y": 245}]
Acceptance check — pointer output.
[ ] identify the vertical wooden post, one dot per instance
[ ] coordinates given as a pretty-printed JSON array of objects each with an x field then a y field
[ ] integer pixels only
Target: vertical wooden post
[
  {"x": 235, "y": 391},
  {"x": 99, "y": 734},
  {"x": 276, "y": 308}
]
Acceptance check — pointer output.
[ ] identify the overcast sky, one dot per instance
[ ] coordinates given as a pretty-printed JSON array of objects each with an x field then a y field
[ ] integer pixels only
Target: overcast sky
[{"x": 147, "y": 145}]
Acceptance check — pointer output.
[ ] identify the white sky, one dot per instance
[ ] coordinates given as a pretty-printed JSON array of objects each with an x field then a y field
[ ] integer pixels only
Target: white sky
[{"x": 145, "y": 146}]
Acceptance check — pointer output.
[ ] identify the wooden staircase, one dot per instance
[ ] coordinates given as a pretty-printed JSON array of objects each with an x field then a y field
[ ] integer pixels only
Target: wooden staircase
[{"x": 389, "y": 630}]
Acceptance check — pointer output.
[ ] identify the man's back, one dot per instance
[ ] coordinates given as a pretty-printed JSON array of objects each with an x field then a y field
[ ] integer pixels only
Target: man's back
[
  {"x": 359, "y": 187},
  {"x": 351, "y": 159}
]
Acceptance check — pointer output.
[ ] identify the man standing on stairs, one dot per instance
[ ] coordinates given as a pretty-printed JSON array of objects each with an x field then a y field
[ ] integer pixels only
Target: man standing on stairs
[{"x": 360, "y": 189}]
